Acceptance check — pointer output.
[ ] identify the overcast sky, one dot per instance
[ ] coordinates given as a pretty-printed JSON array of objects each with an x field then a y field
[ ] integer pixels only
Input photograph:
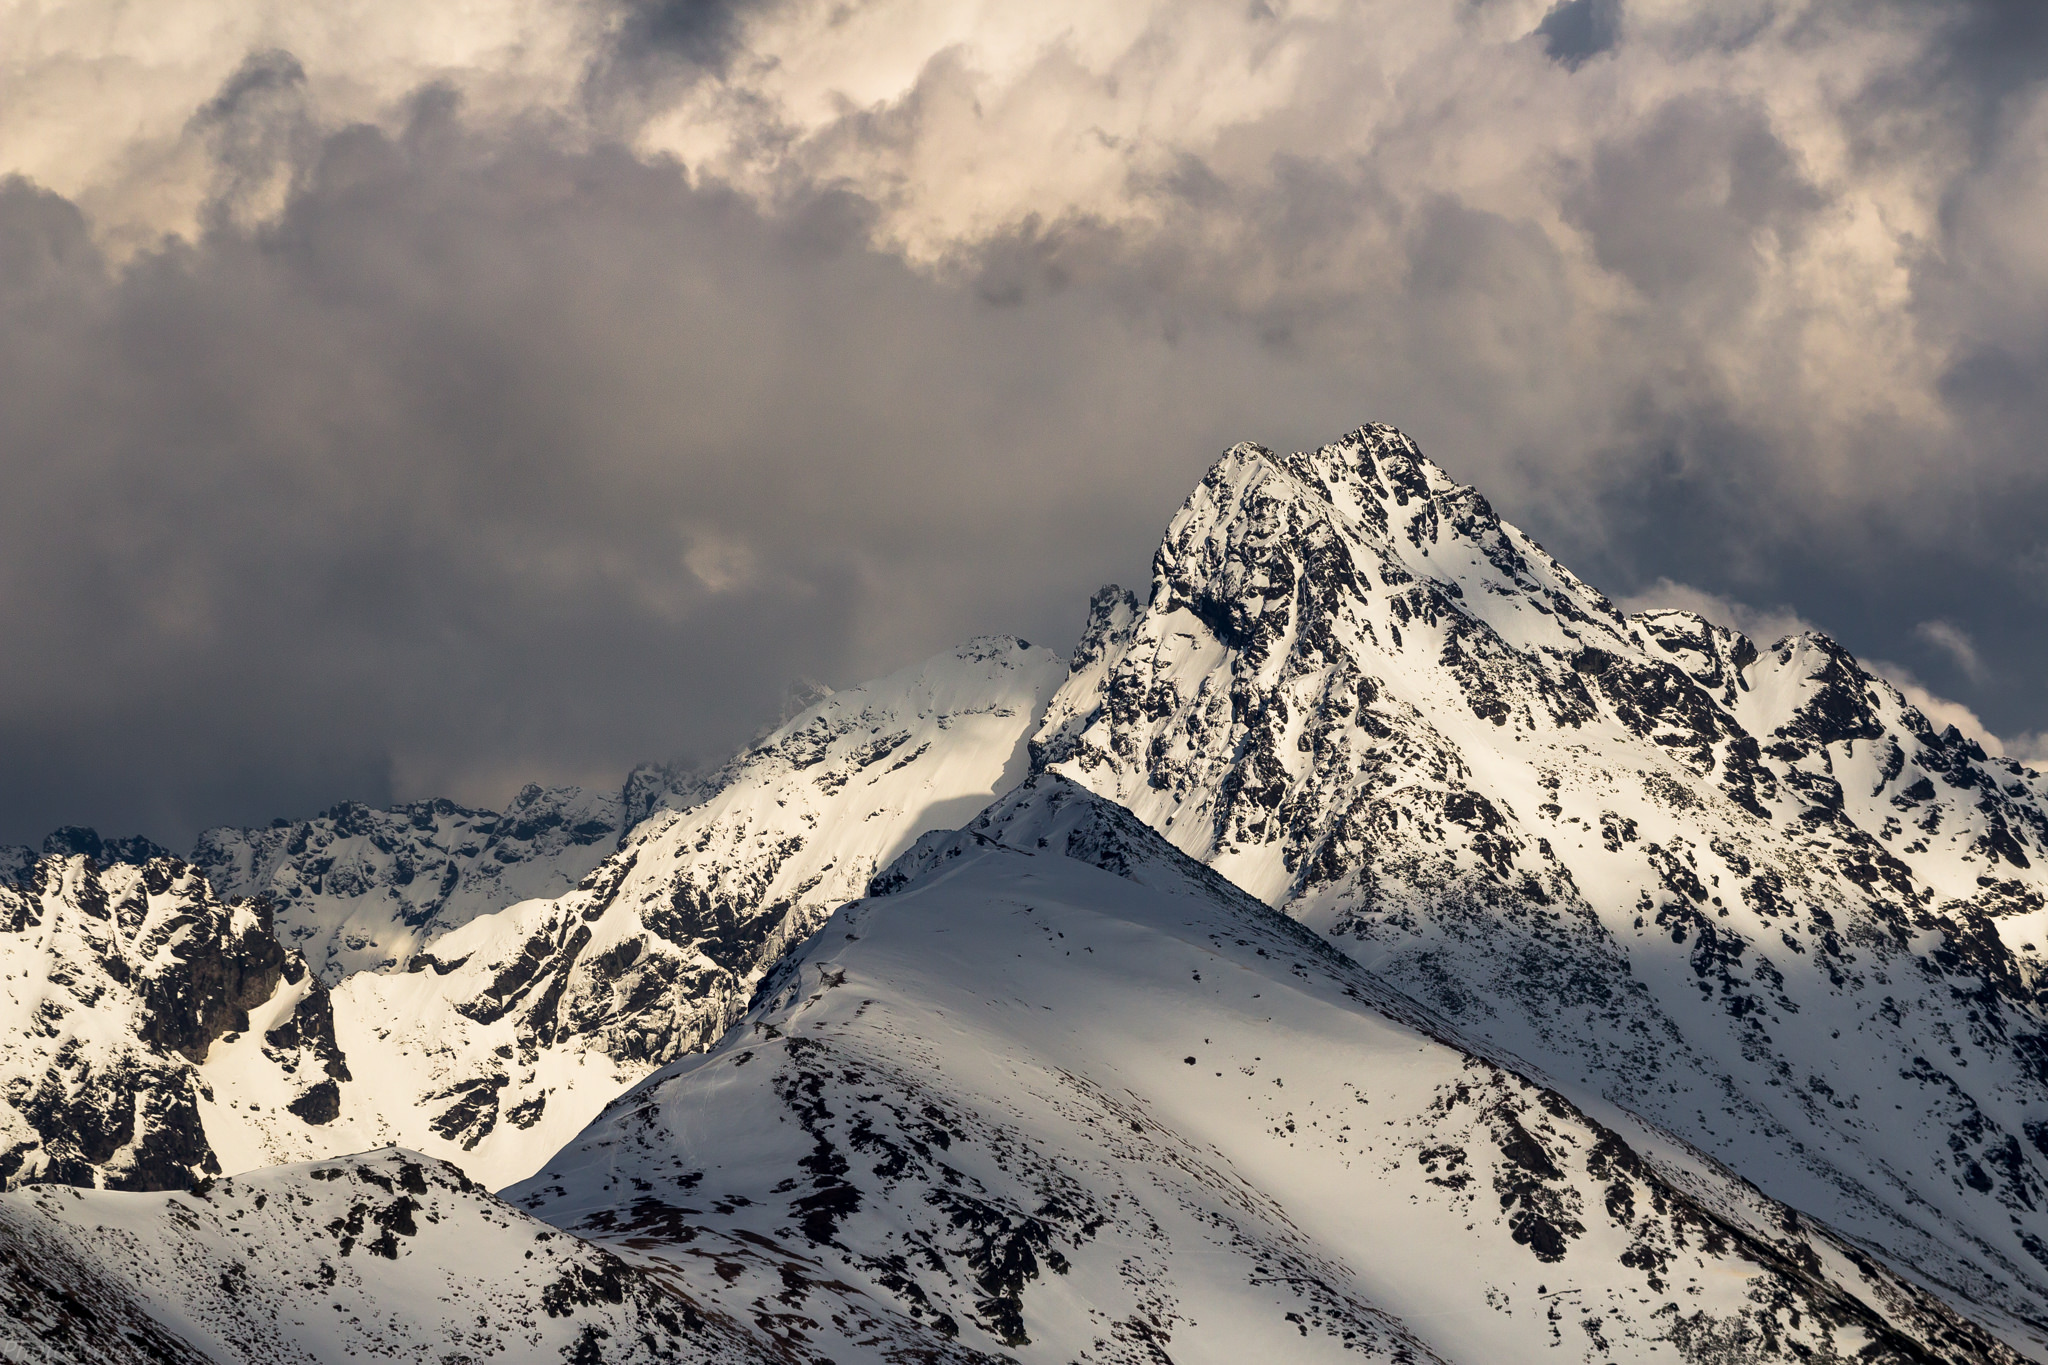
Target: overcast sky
[{"x": 398, "y": 402}]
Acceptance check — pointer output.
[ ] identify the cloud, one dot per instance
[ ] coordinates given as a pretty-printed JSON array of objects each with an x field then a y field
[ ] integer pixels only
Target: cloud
[
  {"x": 2031, "y": 749},
  {"x": 1765, "y": 625},
  {"x": 1955, "y": 642},
  {"x": 490, "y": 459},
  {"x": 390, "y": 403},
  {"x": 1575, "y": 30}
]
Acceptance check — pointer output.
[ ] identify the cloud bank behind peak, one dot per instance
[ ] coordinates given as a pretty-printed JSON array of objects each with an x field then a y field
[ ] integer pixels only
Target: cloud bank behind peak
[{"x": 394, "y": 406}]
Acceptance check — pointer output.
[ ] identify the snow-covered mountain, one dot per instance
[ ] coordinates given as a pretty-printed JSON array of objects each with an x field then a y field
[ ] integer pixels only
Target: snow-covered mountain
[
  {"x": 504, "y": 1037},
  {"x": 1056, "y": 1092},
  {"x": 384, "y": 1256},
  {"x": 1745, "y": 891},
  {"x": 153, "y": 1034},
  {"x": 1691, "y": 1005},
  {"x": 163, "y": 1034},
  {"x": 355, "y": 889}
]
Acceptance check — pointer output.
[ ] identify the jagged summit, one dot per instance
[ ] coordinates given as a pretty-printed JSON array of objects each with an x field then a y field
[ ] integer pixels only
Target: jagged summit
[
  {"x": 1739, "y": 889},
  {"x": 17, "y": 861}
]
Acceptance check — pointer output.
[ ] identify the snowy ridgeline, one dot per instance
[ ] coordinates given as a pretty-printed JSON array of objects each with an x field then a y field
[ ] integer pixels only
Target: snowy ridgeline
[
  {"x": 1061, "y": 1094},
  {"x": 1745, "y": 892},
  {"x": 163, "y": 1036},
  {"x": 1669, "y": 933}
]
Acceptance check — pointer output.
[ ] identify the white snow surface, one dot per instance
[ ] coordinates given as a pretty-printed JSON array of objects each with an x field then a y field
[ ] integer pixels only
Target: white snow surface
[
  {"x": 1744, "y": 891},
  {"x": 384, "y": 1256},
  {"x": 1061, "y": 1094},
  {"x": 508, "y": 1034}
]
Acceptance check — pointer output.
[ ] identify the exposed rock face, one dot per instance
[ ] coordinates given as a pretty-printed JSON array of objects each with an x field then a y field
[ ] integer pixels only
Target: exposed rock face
[
  {"x": 129, "y": 993},
  {"x": 77, "y": 841},
  {"x": 1743, "y": 890},
  {"x": 1063, "y": 1095},
  {"x": 383, "y": 1256}
]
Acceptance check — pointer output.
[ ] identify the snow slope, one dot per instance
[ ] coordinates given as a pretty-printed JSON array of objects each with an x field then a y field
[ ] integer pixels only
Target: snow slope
[
  {"x": 505, "y": 1036},
  {"x": 1745, "y": 892},
  {"x": 161, "y": 1034},
  {"x": 383, "y": 1256},
  {"x": 1058, "y": 1093}
]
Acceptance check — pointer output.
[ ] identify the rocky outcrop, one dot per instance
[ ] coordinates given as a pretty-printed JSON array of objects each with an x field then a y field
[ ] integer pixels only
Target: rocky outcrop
[{"x": 121, "y": 984}]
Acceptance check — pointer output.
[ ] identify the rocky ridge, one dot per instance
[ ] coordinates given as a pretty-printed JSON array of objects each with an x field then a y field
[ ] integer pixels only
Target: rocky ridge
[
  {"x": 1745, "y": 891},
  {"x": 358, "y": 889},
  {"x": 1058, "y": 1093}
]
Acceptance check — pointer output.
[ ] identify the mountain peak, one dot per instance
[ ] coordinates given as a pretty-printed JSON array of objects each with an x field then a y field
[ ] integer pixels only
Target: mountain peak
[
  {"x": 1365, "y": 698},
  {"x": 1050, "y": 815},
  {"x": 1057, "y": 1096}
]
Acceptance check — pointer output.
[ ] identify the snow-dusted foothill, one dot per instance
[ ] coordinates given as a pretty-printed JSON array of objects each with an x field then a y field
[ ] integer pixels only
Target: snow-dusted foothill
[
  {"x": 387, "y": 1255},
  {"x": 1743, "y": 890},
  {"x": 1058, "y": 1093}
]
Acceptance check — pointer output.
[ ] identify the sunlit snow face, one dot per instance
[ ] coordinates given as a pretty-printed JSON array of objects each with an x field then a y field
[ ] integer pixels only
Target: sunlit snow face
[{"x": 782, "y": 338}]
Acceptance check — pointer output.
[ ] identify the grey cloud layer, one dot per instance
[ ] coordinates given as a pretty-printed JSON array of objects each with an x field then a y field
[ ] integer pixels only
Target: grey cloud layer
[{"x": 474, "y": 448}]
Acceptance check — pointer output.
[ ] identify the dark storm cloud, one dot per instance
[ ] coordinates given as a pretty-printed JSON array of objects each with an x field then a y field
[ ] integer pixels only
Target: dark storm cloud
[
  {"x": 1575, "y": 30},
  {"x": 1990, "y": 49},
  {"x": 1676, "y": 207},
  {"x": 656, "y": 47},
  {"x": 397, "y": 483},
  {"x": 473, "y": 451},
  {"x": 702, "y": 32},
  {"x": 489, "y": 460}
]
